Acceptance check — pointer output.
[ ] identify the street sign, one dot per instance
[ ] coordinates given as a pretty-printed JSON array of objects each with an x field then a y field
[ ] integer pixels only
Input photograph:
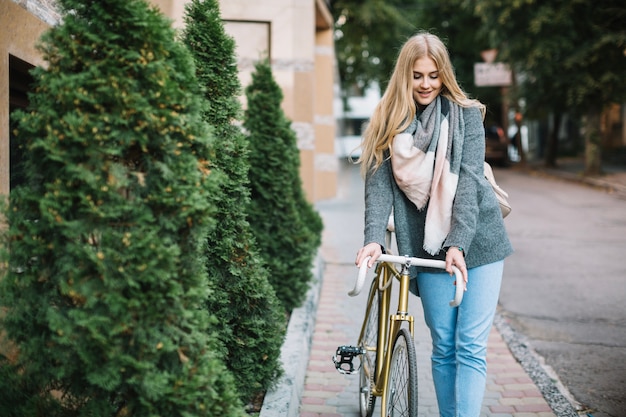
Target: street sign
[{"x": 497, "y": 74}]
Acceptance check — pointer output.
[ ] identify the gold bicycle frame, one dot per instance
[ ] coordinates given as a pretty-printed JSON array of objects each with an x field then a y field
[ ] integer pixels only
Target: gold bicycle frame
[{"x": 388, "y": 327}]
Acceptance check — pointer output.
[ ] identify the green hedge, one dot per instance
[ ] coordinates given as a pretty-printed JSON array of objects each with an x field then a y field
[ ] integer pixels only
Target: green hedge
[
  {"x": 106, "y": 237},
  {"x": 251, "y": 321},
  {"x": 286, "y": 226}
]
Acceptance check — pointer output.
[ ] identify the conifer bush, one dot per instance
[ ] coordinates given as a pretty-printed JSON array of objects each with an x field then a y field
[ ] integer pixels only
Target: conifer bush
[
  {"x": 286, "y": 226},
  {"x": 105, "y": 277},
  {"x": 251, "y": 320}
]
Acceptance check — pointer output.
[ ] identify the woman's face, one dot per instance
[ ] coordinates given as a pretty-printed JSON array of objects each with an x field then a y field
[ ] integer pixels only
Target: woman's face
[{"x": 426, "y": 82}]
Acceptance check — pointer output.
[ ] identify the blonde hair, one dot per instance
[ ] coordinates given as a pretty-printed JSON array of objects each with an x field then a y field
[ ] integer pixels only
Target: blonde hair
[{"x": 396, "y": 109}]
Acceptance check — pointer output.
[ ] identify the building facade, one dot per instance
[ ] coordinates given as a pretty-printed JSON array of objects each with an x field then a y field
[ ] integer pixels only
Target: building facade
[
  {"x": 296, "y": 36},
  {"x": 21, "y": 25}
]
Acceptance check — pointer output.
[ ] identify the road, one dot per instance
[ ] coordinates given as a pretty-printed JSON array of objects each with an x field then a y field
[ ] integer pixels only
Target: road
[{"x": 564, "y": 288}]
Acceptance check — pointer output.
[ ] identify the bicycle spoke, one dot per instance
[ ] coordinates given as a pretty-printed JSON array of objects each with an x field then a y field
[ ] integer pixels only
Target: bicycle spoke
[{"x": 402, "y": 382}]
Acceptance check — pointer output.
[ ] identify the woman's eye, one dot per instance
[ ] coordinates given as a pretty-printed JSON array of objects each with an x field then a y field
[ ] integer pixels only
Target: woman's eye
[{"x": 419, "y": 76}]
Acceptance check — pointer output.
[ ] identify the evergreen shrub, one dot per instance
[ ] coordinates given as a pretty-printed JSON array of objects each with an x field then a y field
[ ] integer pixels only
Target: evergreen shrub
[
  {"x": 286, "y": 226},
  {"x": 251, "y": 320},
  {"x": 105, "y": 276}
]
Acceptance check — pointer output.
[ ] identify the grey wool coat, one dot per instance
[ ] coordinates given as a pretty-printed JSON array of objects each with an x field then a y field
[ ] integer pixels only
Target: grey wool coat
[{"x": 477, "y": 224}]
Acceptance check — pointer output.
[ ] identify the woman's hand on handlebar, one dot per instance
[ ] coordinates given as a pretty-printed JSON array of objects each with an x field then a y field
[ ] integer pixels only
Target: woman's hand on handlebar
[
  {"x": 371, "y": 249},
  {"x": 455, "y": 256}
]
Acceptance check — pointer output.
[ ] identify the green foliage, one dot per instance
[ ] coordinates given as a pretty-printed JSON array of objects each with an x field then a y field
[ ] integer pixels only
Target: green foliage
[
  {"x": 571, "y": 53},
  {"x": 105, "y": 275},
  {"x": 520, "y": 33},
  {"x": 20, "y": 397},
  {"x": 450, "y": 21},
  {"x": 368, "y": 37},
  {"x": 370, "y": 34},
  {"x": 286, "y": 227},
  {"x": 251, "y": 320}
]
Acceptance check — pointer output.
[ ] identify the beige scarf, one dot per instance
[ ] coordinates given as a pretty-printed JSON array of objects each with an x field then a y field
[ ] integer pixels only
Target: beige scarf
[{"x": 426, "y": 160}]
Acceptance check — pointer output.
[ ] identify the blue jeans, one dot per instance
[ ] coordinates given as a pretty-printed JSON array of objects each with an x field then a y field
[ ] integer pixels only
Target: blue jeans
[{"x": 459, "y": 357}]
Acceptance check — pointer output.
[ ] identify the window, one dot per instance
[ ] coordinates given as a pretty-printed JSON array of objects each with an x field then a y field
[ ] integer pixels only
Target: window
[{"x": 19, "y": 85}]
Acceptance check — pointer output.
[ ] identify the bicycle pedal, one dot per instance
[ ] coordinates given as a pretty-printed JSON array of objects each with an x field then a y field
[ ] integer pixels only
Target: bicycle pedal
[{"x": 344, "y": 356}]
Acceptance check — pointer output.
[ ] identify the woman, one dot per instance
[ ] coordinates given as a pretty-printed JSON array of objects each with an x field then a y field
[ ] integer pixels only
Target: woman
[{"x": 422, "y": 157}]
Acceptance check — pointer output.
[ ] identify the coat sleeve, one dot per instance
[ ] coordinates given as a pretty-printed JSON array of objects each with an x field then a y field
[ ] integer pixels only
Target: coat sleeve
[
  {"x": 465, "y": 209},
  {"x": 378, "y": 203}
]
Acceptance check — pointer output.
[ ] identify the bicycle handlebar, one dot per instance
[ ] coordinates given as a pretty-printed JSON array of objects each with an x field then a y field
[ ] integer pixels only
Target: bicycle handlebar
[{"x": 403, "y": 260}]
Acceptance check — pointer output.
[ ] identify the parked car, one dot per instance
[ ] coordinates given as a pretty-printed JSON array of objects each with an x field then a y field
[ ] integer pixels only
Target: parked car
[{"x": 496, "y": 146}]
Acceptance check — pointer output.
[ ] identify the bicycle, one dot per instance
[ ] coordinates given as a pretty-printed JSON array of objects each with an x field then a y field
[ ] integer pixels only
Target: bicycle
[{"x": 388, "y": 364}]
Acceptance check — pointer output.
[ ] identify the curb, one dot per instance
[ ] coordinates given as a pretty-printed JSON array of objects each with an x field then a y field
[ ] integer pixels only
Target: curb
[
  {"x": 610, "y": 186},
  {"x": 283, "y": 400},
  {"x": 551, "y": 388}
]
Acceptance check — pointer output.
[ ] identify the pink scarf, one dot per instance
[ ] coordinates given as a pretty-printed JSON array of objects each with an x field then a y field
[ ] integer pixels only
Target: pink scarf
[{"x": 426, "y": 161}]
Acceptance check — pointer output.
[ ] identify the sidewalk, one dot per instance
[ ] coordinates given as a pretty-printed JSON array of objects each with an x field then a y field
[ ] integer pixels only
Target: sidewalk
[{"x": 517, "y": 383}]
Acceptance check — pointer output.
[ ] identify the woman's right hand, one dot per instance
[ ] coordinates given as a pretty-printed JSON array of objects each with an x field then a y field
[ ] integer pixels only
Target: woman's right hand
[{"x": 371, "y": 249}]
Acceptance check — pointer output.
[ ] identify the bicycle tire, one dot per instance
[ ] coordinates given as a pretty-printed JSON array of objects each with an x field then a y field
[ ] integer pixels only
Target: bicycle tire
[
  {"x": 367, "y": 373},
  {"x": 401, "y": 390}
]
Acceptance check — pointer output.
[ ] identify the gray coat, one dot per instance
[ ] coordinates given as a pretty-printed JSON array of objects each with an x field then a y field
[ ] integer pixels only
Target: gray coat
[{"x": 477, "y": 224}]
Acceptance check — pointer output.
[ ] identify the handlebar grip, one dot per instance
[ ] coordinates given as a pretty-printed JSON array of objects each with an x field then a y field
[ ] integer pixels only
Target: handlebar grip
[
  {"x": 460, "y": 287},
  {"x": 360, "y": 280}
]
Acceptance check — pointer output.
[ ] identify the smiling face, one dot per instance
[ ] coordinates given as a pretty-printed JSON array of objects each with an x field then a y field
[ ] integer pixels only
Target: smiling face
[{"x": 426, "y": 81}]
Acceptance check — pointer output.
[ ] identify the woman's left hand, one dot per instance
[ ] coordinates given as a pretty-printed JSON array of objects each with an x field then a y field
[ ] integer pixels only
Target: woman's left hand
[{"x": 455, "y": 257}]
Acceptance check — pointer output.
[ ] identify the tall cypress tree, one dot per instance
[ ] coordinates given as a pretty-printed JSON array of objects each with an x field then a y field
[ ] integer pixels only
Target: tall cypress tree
[
  {"x": 286, "y": 226},
  {"x": 105, "y": 277},
  {"x": 252, "y": 323}
]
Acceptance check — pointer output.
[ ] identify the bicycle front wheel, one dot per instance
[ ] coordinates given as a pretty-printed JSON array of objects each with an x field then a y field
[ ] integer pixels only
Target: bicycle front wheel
[
  {"x": 401, "y": 387},
  {"x": 368, "y": 339}
]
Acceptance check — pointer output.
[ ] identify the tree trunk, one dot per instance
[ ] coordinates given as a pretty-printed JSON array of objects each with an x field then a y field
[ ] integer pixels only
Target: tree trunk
[
  {"x": 553, "y": 142},
  {"x": 593, "y": 143}
]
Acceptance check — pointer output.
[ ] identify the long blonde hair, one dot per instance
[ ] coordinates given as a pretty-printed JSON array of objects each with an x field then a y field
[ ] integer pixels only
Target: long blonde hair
[{"x": 396, "y": 109}]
